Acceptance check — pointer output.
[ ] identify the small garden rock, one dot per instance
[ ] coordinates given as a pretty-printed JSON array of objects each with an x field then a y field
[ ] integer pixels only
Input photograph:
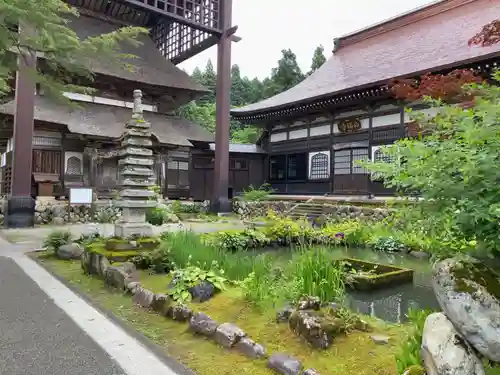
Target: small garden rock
[
  {"x": 116, "y": 277},
  {"x": 161, "y": 304},
  {"x": 250, "y": 348},
  {"x": 316, "y": 328},
  {"x": 203, "y": 291},
  {"x": 69, "y": 252},
  {"x": 143, "y": 297},
  {"x": 284, "y": 314},
  {"x": 203, "y": 324},
  {"x": 181, "y": 313},
  {"x": 133, "y": 286},
  {"x": 311, "y": 371},
  {"x": 284, "y": 364},
  {"x": 227, "y": 335},
  {"x": 445, "y": 352},
  {"x": 469, "y": 294},
  {"x": 309, "y": 303},
  {"x": 419, "y": 254},
  {"x": 380, "y": 339}
]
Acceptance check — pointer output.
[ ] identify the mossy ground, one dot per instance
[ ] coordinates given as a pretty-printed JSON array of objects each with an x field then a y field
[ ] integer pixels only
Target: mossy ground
[{"x": 353, "y": 354}]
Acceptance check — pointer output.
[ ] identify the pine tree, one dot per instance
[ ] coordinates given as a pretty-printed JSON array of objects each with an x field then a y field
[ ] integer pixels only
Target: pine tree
[
  {"x": 318, "y": 59},
  {"x": 66, "y": 57},
  {"x": 286, "y": 75}
]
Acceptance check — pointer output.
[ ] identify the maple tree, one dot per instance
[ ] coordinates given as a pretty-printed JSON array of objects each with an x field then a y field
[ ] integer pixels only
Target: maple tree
[{"x": 447, "y": 87}]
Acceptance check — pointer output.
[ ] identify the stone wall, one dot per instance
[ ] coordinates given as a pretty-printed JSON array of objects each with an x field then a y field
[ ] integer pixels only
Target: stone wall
[{"x": 249, "y": 210}]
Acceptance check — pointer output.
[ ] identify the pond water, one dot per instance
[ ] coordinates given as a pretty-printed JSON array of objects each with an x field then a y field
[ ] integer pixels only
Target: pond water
[{"x": 392, "y": 304}]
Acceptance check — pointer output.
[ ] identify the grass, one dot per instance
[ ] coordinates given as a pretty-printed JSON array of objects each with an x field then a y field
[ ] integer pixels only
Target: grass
[{"x": 353, "y": 354}]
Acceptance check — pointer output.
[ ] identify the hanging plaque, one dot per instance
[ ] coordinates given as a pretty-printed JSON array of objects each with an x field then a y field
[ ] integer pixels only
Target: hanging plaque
[{"x": 349, "y": 126}]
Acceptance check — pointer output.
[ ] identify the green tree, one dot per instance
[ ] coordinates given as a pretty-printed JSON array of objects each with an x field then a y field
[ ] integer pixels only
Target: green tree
[
  {"x": 318, "y": 59},
  {"x": 197, "y": 75},
  {"x": 238, "y": 87},
  {"x": 66, "y": 57},
  {"x": 203, "y": 114},
  {"x": 247, "y": 135},
  {"x": 454, "y": 167},
  {"x": 286, "y": 75}
]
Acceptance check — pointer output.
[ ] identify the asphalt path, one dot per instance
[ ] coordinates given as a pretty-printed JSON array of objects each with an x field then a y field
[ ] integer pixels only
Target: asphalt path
[{"x": 38, "y": 338}]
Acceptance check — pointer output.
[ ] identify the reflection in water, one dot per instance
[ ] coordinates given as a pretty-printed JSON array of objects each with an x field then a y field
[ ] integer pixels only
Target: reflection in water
[{"x": 392, "y": 304}]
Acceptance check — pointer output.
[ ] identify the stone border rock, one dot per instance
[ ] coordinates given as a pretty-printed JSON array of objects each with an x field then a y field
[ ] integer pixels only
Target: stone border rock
[{"x": 123, "y": 277}]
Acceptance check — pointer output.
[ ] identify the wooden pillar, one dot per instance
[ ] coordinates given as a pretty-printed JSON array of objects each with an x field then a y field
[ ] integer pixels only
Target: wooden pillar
[
  {"x": 220, "y": 202},
  {"x": 21, "y": 206}
]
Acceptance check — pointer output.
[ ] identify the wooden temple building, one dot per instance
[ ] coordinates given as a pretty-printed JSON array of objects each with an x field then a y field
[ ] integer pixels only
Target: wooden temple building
[
  {"x": 316, "y": 132},
  {"x": 47, "y": 148}
]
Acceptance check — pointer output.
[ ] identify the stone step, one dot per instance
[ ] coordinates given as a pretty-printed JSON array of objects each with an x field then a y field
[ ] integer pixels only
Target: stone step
[{"x": 136, "y": 151}]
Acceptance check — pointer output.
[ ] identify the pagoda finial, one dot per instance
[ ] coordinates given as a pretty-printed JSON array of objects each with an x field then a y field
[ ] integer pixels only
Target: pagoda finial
[{"x": 137, "y": 102}]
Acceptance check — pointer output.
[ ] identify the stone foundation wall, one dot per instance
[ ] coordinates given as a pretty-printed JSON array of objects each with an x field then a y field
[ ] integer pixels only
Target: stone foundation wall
[{"x": 249, "y": 210}]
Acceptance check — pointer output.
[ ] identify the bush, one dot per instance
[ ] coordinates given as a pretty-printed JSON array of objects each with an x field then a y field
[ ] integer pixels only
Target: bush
[
  {"x": 389, "y": 245},
  {"x": 56, "y": 239},
  {"x": 156, "y": 216},
  {"x": 158, "y": 261},
  {"x": 409, "y": 353},
  {"x": 254, "y": 195},
  {"x": 190, "y": 208}
]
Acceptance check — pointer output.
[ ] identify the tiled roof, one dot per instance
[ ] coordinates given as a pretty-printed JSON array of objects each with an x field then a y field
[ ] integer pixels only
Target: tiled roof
[
  {"x": 433, "y": 37},
  {"x": 150, "y": 66},
  {"x": 109, "y": 121}
]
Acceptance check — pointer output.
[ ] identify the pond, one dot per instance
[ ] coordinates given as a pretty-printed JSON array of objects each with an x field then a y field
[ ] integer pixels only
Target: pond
[{"x": 392, "y": 304}]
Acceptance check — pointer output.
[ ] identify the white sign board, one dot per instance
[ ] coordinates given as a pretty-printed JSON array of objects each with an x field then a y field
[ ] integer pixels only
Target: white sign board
[{"x": 80, "y": 196}]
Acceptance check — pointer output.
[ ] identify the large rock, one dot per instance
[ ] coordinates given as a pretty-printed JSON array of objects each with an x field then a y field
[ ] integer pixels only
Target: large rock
[
  {"x": 203, "y": 324},
  {"x": 469, "y": 294},
  {"x": 180, "y": 313},
  {"x": 284, "y": 364},
  {"x": 316, "y": 328},
  {"x": 228, "y": 335},
  {"x": 69, "y": 252},
  {"x": 445, "y": 352},
  {"x": 120, "y": 276},
  {"x": 309, "y": 303}
]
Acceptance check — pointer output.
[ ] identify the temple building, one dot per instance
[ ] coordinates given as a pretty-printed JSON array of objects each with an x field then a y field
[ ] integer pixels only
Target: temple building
[
  {"x": 76, "y": 146},
  {"x": 316, "y": 132}
]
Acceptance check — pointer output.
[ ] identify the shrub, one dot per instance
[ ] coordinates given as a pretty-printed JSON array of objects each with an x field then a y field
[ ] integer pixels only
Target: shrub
[
  {"x": 156, "y": 216},
  {"x": 158, "y": 261},
  {"x": 409, "y": 353},
  {"x": 186, "y": 278},
  {"x": 254, "y": 195},
  {"x": 88, "y": 238},
  {"x": 56, "y": 239},
  {"x": 190, "y": 208},
  {"x": 389, "y": 245}
]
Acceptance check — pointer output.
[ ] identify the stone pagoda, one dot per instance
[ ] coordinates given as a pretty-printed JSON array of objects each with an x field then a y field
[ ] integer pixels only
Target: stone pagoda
[{"x": 135, "y": 174}]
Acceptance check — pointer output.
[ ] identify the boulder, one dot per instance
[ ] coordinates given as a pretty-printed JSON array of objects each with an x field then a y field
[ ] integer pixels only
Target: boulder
[
  {"x": 380, "y": 339},
  {"x": 316, "y": 328},
  {"x": 250, "y": 348},
  {"x": 445, "y": 352},
  {"x": 311, "y": 371},
  {"x": 203, "y": 324},
  {"x": 309, "y": 303},
  {"x": 161, "y": 304},
  {"x": 69, "y": 252},
  {"x": 119, "y": 276},
  {"x": 143, "y": 297},
  {"x": 228, "y": 335},
  {"x": 469, "y": 295},
  {"x": 202, "y": 292},
  {"x": 284, "y": 364}
]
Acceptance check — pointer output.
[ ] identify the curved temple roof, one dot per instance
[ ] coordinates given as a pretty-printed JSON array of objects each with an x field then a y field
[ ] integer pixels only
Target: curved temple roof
[{"x": 428, "y": 38}]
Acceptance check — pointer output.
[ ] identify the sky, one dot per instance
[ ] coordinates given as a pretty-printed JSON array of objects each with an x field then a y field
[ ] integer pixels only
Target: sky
[{"x": 268, "y": 26}]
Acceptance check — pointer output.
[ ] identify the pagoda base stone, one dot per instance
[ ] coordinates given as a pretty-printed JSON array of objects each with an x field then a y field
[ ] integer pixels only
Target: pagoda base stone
[{"x": 126, "y": 230}]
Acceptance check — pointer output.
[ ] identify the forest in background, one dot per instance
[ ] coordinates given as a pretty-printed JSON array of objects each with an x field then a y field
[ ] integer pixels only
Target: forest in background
[{"x": 245, "y": 91}]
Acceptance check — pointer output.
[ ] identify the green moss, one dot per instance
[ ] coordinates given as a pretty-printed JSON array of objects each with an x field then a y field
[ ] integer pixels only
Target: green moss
[
  {"x": 354, "y": 354},
  {"x": 416, "y": 370},
  {"x": 469, "y": 275}
]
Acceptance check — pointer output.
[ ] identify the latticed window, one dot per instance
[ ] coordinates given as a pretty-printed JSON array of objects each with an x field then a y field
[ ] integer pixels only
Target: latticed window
[
  {"x": 347, "y": 161},
  {"x": 320, "y": 166},
  {"x": 74, "y": 166},
  {"x": 378, "y": 155}
]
